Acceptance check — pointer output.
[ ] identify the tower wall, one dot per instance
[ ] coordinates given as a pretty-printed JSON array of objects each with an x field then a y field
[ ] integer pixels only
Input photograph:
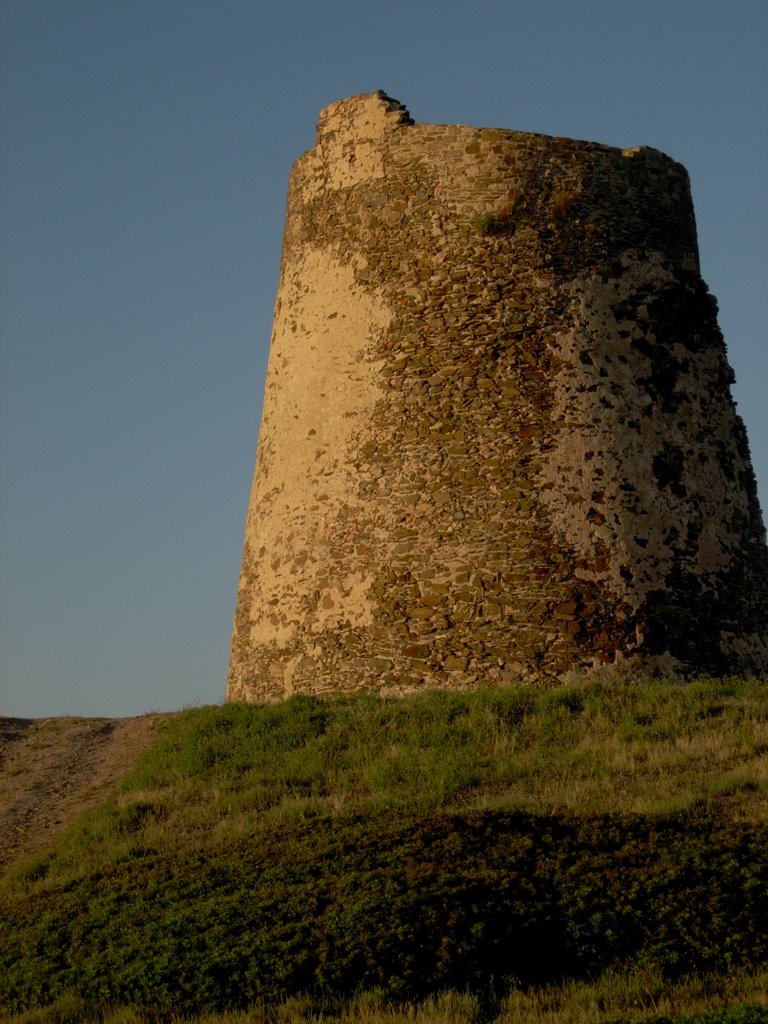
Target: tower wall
[{"x": 497, "y": 439}]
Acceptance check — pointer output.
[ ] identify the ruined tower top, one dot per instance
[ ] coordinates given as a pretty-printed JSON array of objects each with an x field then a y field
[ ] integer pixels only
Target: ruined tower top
[{"x": 498, "y": 440}]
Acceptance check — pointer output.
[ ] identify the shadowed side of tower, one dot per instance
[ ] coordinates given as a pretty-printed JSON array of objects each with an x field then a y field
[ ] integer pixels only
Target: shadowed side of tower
[{"x": 498, "y": 438}]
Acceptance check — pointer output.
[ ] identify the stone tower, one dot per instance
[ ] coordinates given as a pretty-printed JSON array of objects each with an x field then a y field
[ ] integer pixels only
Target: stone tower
[{"x": 498, "y": 439}]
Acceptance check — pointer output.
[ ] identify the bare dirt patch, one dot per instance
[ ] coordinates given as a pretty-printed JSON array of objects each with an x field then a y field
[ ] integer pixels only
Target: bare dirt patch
[{"x": 53, "y": 769}]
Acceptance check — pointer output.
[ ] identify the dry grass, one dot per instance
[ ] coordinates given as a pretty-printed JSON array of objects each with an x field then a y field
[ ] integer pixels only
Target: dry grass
[
  {"x": 650, "y": 749},
  {"x": 635, "y": 997}
]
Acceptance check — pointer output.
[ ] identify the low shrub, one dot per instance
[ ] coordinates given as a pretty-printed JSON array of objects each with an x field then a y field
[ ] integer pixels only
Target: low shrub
[{"x": 410, "y": 905}]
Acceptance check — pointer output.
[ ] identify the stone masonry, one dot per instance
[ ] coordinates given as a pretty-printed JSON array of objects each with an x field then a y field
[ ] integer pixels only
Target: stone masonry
[{"x": 498, "y": 440}]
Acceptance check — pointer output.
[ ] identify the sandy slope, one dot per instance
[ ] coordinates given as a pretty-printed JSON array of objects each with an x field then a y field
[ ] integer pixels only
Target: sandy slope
[{"x": 52, "y": 769}]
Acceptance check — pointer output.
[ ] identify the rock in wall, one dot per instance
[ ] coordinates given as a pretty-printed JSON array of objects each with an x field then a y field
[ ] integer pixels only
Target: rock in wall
[{"x": 498, "y": 439}]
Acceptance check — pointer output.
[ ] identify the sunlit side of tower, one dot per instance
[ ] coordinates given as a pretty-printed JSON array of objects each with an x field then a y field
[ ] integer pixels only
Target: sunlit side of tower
[{"x": 498, "y": 439}]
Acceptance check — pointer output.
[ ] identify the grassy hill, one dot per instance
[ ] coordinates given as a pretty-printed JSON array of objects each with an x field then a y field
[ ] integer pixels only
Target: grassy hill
[{"x": 582, "y": 854}]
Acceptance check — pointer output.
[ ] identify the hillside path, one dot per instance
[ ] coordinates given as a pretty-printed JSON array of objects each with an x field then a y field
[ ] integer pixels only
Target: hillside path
[{"x": 53, "y": 769}]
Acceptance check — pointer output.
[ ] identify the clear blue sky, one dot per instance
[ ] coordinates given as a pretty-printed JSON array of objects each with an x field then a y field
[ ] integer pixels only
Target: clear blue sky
[{"x": 146, "y": 146}]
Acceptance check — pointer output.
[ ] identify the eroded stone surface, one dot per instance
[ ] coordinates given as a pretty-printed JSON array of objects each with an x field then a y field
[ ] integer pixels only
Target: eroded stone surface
[{"x": 498, "y": 438}]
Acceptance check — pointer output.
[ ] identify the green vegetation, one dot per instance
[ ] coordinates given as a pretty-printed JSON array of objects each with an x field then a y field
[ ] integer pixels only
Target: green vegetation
[
  {"x": 445, "y": 857},
  {"x": 564, "y": 201},
  {"x": 560, "y": 204},
  {"x": 502, "y": 223}
]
